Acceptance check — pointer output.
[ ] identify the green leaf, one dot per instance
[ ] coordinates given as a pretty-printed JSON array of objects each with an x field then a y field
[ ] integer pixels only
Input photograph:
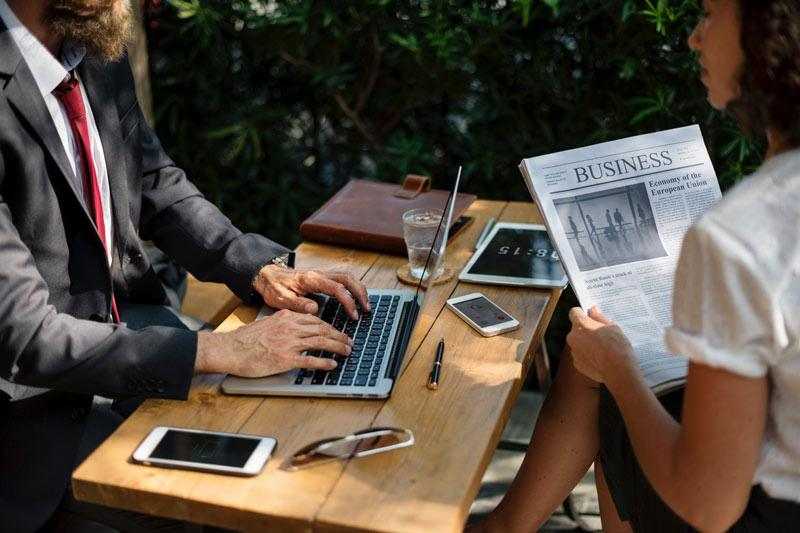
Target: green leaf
[
  {"x": 629, "y": 9},
  {"x": 409, "y": 42}
]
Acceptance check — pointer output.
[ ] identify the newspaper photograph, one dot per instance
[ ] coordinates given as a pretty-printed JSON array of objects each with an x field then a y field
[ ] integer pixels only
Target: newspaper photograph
[{"x": 617, "y": 213}]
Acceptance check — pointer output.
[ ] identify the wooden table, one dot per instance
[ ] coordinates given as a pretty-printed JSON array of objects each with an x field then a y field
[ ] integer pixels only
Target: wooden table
[{"x": 428, "y": 487}]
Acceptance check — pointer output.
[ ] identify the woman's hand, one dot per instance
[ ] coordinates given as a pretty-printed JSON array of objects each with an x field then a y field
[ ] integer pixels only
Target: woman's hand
[
  {"x": 599, "y": 348},
  {"x": 285, "y": 288}
]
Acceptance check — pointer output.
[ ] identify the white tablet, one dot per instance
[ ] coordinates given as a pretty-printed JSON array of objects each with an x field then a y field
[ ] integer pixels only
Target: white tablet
[{"x": 516, "y": 254}]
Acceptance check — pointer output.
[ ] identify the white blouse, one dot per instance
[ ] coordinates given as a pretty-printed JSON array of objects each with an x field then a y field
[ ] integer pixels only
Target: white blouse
[{"x": 736, "y": 304}]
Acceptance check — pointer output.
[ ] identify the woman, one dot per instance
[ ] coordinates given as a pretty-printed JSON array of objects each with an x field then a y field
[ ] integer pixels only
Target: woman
[{"x": 733, "y": 460}]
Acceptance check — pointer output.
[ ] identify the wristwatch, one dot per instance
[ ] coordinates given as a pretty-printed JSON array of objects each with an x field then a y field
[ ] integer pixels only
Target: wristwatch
[{"x": 284, "y": 260}]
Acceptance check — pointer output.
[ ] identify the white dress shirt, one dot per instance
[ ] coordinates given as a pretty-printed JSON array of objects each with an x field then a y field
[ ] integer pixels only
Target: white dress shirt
[
  {"x": 737, "y": 304},
  {"x": 48, "y": 73}
]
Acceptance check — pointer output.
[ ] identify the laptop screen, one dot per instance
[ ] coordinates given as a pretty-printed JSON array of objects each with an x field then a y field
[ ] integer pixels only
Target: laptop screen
[{"x": 436, "y": 254}]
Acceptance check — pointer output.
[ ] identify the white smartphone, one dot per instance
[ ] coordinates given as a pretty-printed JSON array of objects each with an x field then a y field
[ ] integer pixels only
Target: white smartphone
[
  {"x": 209, "y": 451},
  {"x": 482, "y": 314}
]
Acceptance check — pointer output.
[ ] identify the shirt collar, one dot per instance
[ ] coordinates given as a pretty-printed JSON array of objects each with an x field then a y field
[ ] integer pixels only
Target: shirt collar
[{"x": 48, "y": 72}]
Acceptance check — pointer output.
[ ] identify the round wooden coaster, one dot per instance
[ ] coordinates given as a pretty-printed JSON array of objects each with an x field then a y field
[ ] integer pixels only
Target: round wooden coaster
[{"x": 404, "y": 275}]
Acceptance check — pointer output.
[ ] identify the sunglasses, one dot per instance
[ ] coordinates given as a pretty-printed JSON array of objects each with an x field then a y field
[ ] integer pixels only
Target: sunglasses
[{"x": 360, "y": 444}]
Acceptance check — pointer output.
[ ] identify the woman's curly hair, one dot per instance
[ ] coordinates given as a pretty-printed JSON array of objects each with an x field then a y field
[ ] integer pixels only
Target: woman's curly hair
[{"x": 770, "y": 82}]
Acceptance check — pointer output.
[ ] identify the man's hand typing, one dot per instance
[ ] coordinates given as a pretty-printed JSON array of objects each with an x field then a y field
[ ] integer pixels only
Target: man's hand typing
[
  {"x": 286, "y": 288},
  {"x": 270, "y": 346}
]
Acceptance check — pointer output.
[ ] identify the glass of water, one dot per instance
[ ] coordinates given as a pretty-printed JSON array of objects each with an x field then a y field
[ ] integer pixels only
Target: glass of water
[{"x": 419, "y": 230}]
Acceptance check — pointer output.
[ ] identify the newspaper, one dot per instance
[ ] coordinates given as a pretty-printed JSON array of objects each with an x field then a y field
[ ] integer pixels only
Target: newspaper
[{"x": 617, "y": 213}]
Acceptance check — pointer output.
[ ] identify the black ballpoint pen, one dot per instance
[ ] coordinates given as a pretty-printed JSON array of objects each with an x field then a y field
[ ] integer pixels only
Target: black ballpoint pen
[{"x": 433, "y": 379}]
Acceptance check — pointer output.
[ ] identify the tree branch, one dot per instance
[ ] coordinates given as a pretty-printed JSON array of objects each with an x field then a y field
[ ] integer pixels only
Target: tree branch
[
  {"x": 354, "y": 116},
  {"x": 374, "y": 70}
]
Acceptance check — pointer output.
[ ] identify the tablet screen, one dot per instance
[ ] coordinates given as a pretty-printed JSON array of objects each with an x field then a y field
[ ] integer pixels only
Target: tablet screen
[{"x": 519, "y": 253}]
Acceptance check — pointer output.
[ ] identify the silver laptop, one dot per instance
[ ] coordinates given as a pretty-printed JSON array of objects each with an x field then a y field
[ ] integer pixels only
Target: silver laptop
[{"x": 380, "y": 339}]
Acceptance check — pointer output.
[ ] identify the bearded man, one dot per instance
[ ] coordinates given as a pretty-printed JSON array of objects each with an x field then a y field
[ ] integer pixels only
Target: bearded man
[{"x": 83, "y": 181}]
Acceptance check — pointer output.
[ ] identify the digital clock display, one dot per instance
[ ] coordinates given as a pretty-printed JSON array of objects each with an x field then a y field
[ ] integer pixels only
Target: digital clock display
[{"x": 519, "y": 253}]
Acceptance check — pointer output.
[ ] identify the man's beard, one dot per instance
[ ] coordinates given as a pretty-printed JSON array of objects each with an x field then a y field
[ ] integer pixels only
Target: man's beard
[{"x": 105, "y": 27}]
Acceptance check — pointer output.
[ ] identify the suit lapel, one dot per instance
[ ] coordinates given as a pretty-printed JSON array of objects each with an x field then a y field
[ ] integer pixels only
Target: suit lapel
[
  {"x": 10, "y": 56},
  {"x": 24, "y": 96},
  {"x": 104, "y": 108}
]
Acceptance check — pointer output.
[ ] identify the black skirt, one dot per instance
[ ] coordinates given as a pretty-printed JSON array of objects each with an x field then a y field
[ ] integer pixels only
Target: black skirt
[{"x": 636, "y": 500}]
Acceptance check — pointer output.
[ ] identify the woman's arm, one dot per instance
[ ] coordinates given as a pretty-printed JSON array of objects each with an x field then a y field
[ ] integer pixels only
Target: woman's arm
[{"x": 702, "y": 468}]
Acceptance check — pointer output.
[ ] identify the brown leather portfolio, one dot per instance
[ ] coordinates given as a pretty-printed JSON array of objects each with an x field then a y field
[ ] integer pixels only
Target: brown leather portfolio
[{"x": 369, "y": 214}]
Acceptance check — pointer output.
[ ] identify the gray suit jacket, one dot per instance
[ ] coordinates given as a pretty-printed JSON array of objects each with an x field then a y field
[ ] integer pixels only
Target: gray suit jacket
[{"x": 57, "y": 347}]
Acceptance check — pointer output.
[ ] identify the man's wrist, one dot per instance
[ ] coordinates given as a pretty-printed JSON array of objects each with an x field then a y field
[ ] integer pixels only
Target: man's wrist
[
  {"x": 210, "y": 354},
  {"x": 277, "y": 264}
]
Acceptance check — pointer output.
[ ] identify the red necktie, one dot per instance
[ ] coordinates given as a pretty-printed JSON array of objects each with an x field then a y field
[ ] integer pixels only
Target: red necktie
[{"x": 69, "y": 94}]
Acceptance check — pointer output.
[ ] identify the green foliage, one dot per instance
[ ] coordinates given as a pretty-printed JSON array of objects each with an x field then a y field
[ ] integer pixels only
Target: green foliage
[{"x": 272, "y": 105}]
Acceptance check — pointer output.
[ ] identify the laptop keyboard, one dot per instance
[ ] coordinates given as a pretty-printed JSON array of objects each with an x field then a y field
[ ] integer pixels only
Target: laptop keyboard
[{"x": 370, "y": 336}]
